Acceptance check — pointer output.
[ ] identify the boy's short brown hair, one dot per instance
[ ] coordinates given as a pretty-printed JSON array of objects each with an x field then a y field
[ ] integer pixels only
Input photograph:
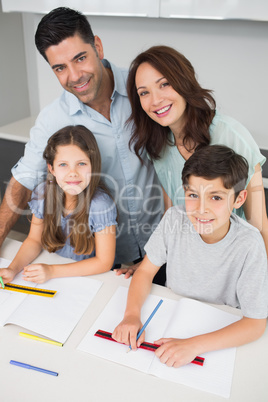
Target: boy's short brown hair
[{"x": 215, "y": 161}]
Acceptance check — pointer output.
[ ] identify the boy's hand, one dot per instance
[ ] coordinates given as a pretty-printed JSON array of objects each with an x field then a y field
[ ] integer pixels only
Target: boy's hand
[
  {"x": 126, "y": 332},
  {"x": 37, "y": 273},
  {"x": 176, "y": 352},
  {"x": 7, "y": 274}
]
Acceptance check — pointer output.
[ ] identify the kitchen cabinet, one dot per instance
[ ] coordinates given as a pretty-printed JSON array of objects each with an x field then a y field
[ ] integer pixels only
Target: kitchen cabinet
[
  {"x": 215, "y": 9},
  {"x": 201, "y": 9},
  {"x": 124, "y": 8},
  {"x": 13, "y": 137},
  {"x": 10, "y": 153}
]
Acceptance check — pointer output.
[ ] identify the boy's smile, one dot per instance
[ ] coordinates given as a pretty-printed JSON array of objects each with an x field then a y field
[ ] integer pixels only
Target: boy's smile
[{"x": 209, "y": 206}]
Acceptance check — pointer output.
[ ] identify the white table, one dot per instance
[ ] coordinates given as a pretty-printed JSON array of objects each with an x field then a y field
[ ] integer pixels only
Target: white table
[{"x": 83, "y": 377}]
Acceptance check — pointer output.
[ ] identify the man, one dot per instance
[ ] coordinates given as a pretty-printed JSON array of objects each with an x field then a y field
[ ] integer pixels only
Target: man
[{"x": 94, "y": 96}]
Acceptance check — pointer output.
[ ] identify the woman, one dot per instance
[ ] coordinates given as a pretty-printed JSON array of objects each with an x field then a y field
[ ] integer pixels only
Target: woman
[{"x": 173, "y": 116}]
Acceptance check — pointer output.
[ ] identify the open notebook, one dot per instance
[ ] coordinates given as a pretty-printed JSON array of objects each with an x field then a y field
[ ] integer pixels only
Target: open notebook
[
  {"x": 52, "y": 317},
  {"x": 178, "y": 319}
]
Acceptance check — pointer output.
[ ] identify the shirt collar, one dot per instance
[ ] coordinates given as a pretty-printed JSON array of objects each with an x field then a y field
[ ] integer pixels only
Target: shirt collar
[
  {"x": 75, "y": 105},
  {"x": 119, "y": 78}
]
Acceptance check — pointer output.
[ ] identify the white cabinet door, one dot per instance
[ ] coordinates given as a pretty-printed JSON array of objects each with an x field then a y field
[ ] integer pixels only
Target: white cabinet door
[
  {"x": 215, "y": 9},
  {"x": 131, "y": 8}
]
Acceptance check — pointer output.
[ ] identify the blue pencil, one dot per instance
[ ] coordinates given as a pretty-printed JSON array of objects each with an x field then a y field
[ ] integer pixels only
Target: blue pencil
[
  {"x": 28, "y": 366},
  {"x": 147, "y": 321}
]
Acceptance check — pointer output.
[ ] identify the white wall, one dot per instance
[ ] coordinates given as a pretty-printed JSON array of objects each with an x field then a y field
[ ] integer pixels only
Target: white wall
[
  {"x": 230, "y": 57},
  {"x": 14, "y": 99}
]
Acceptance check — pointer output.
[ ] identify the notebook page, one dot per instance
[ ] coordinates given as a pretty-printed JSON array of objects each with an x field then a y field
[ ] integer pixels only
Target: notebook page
[
  {"x": 112, "y": 315},
  {"x": 56, "y": 317},
  {"x": 194, "y": 318}
]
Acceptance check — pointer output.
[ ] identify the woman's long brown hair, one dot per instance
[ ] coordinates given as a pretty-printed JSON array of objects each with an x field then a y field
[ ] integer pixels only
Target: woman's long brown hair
[
  {"x": 80, "y": 234},
  {"x": 200, "y": 104}
]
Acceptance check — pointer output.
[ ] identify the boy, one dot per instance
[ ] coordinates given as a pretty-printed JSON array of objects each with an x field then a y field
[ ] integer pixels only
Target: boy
[{"x": 212, "y": 255}]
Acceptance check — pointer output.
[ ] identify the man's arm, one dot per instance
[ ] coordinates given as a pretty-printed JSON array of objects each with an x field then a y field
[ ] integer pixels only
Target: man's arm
[{"x": 13, "y": 204}]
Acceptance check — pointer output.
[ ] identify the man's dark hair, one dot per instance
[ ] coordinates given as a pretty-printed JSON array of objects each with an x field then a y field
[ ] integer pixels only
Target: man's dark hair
[
  {"x": 215, "y": 161},
  {"x": 59, "y": 24}
]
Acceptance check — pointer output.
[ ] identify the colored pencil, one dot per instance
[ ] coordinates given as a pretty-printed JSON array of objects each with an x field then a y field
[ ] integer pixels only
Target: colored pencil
[
  {"x": 28, "y": 366},
  {"x": 38, "y": 338},
  {"x": 147, "y": 321}
]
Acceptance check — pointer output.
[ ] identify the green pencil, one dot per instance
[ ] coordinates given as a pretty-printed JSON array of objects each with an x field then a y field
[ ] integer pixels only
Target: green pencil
[{"x": 2, "y": 283}]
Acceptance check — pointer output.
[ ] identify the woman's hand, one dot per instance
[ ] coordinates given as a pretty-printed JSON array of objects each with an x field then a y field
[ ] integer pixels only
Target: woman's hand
[{"x": 37, "y": 273}]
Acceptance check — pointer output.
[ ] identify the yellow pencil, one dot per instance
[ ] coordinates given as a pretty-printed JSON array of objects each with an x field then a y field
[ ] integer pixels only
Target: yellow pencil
[{"x": 38, "y": 338}]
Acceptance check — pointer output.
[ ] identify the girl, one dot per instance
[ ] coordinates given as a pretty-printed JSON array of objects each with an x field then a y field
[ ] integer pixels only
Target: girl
[
  {"x": 73, "y": 215},
  {"x": 174, "y": 116}
]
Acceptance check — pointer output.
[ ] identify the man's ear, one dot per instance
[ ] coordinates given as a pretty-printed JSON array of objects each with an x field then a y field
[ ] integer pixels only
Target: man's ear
[
  {"x": 99, "y": 47},
  {"x": 240, "y": 199}
]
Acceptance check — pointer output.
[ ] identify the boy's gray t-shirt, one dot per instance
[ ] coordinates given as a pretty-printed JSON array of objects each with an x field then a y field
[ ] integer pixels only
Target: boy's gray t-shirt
[{"x": 232, "y": 271}]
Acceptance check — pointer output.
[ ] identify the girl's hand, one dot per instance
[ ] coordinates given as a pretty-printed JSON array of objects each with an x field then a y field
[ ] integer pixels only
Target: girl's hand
[
  {"x": 7, "y": 274},
  {"x": 126, "y": 332},
  {"x": 37, "y": 273},
  {"x": 176, "y": 352}
]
